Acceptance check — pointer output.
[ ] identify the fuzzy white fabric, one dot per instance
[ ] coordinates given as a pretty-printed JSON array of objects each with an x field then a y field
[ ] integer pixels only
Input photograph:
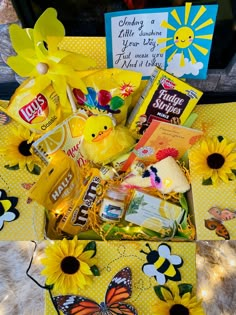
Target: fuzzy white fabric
[
  {"x": 19, "y": 295},
  {"x": 216, "y": 272}
]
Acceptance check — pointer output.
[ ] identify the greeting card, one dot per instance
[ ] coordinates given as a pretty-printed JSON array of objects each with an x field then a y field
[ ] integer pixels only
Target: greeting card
[
  {"x": 161, "y": 138},
  {"x": 177, "y": 39}
]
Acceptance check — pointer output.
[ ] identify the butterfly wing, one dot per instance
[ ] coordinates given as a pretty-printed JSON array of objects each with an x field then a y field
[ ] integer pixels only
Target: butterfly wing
[
  {"x": 119, "y": 290},
  {"x": 222, "y": 215},
  {"x": 27, "y": 186},
  {"x": 227, "y": 214},
  {"x": 76, "y": 305},
  {"x": 122, "y": 309},
  {"x": 220, "y": 229},
  {"x": 216, "y": 212}
]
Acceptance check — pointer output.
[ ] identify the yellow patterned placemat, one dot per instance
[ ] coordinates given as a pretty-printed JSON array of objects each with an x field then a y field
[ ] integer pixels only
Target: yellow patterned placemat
[
  {"x": 29, "y": 225},
  {"x": 114, "y": 255},
  {"x": 93, "y": 47},
  {"x": 216, "y": 120}
]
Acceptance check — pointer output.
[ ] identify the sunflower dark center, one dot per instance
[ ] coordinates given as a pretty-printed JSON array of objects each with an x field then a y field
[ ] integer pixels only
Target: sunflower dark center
[
  {"x": 24, "y": 148},
  {"x": 215, "y": 160},
  {"x": 179, "y": 309},
  {"x": 70, "y": 265}
]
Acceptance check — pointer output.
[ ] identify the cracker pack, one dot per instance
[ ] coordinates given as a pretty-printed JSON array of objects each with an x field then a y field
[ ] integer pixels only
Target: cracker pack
[{"x": 165, "y": 98}]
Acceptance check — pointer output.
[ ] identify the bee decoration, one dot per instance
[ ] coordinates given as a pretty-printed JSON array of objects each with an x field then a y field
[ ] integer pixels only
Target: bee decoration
[{"x": 161, "y": 264}]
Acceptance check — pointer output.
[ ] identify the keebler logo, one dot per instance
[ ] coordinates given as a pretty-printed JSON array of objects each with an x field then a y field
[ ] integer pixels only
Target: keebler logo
[
  {"x": 35, "y": 111},
  {"x": 167, "y": 84}
]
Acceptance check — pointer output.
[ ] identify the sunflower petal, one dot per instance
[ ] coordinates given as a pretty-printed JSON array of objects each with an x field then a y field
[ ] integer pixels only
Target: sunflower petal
[
  {"x": 84, "y": 268},
  {"x": 166, "y": 293},
  {"x": 64, "y": 247}
]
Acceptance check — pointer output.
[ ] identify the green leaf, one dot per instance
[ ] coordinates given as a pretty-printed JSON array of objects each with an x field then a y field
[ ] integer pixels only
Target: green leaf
[
  {"x": 185, "y": 288},
  {"x": 91, "y": 246},
  {"x": 36, "y": 170},
  {"x": 184, "y": 221},
  {"x": 183, "y": 202},
  {"x": 116, "y": 102},
  {"x": 234, "y": 172},
  {"x": 12, "y": 168},
  {"x": 220, "y": 138},
  {"x": 89, "y": 235},
  {"x": 158, "y": 292},
  {"x": 207, "y": 181},
  {"x": 95, "y": 270}
]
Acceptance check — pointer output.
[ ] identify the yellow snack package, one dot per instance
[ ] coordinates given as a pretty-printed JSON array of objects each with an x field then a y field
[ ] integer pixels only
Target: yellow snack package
[
  {"x": 67, "y": 136},
  {"x": 164, "y": 98},
  {"x": 59, "y": 186},
  {"x": 38, "y": 113},
  {"x": 109, "y": 91},
  {"x": 76, "y": 218}
]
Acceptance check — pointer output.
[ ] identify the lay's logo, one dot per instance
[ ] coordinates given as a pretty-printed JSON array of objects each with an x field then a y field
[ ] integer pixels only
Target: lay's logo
[{"x": 35, "y": 111}]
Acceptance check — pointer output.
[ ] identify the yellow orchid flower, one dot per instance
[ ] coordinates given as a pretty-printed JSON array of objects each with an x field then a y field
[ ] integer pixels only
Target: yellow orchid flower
[{"x": 38, "y": 56}]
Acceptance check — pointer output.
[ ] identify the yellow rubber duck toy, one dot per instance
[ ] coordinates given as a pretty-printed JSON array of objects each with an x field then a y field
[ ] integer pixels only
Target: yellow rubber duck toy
[{"x": 103, "y": 141}]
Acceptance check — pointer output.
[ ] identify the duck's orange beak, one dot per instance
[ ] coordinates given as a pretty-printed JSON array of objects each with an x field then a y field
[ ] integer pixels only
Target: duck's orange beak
[{"x": 102, "y": 135}]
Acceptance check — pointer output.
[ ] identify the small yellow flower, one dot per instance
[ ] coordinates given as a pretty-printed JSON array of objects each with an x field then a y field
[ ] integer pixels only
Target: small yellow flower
[
  {"x": 174, "y": 304},
  {"x": 214, "y": 159},
  {"x": 17, "y": 150},
  {"x": 67, "y": 266}
]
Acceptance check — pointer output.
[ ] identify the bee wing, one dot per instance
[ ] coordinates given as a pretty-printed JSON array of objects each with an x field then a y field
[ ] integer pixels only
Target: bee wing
[
  {"x": 151, "y": 271},
  {"x": 164, "y": 251},
  {"x": 175, "y": 260}
]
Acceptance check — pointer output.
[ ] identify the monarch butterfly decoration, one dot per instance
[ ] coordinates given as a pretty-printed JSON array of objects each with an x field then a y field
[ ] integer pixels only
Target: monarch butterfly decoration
[
  {"x": 216, "y": 222},
  {"x": 118, "y": 291}
]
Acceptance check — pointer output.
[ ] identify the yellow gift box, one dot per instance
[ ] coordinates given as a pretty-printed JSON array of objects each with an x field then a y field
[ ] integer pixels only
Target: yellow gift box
[
  {"x": 114, "y": 256},
  {"x": 30, "y": 220},
  {"x": 214, "y": 120}
]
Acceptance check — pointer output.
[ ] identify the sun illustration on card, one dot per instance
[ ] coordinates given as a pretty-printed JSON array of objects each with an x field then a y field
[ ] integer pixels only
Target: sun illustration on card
[{"x": 189, "y": 37}]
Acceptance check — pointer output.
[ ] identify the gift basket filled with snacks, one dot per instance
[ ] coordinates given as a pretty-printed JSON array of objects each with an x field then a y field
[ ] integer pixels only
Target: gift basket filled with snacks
[{"x": 104, "y": 142}]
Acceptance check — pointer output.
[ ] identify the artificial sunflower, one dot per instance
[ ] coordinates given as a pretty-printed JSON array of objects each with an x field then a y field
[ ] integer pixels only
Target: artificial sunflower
[
  {"x": 69, "y": 265},
  {"x": 214, "y": 159},
  {"x": 17, "y": 150},
  {"x": 177, "y": 300}
]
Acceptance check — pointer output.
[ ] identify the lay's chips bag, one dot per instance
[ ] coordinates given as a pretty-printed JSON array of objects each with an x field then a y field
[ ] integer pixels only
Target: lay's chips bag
[{"x": 38, "y": 113}]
